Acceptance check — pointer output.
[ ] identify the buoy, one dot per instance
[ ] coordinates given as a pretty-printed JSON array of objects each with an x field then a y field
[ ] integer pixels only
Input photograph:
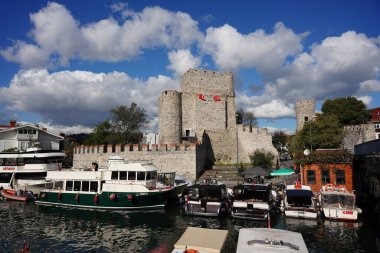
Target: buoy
[
  {"x": 130, "y": 197},
  {"x": 77, "y": 197},
  {"x": 59, "y": 197},
  {"x": 96, "y": 199},
  {"x": 43, "y": 196},
  {"x": 113, "y": 197}
]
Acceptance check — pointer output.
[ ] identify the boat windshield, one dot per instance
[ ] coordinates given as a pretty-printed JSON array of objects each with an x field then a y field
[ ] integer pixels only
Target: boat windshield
[
  {"x": 339, "y": 200},
  {"x": 252, "y": 194},
  {"x": 5, "y": 177},
  {"x": 209, "y": 193}
]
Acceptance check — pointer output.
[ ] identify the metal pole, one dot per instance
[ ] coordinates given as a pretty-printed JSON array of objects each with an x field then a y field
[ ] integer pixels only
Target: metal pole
[
  {"x": 311, "y": 143},
  {"x": 237, "y": 149}
]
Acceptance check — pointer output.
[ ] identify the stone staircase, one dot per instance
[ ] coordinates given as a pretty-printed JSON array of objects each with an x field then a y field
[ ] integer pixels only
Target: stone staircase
[{"x": 226, "y": 174}]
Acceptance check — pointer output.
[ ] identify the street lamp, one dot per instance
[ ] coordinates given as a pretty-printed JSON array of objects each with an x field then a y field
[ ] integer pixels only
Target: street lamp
[{"x": 237, "y": 148}]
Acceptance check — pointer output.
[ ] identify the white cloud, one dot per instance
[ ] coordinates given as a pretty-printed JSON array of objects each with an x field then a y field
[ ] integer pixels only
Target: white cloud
[
  {"x": 81, "y": 97},
  {"x": 334, "y": 68},
  {"x": 58, "y": 34},
  {"x": 266, "y": 52},
  {"x": 366, "y": 99},
  {"x": 370, "y": 86},
  {"x": 181, "y": 61}
]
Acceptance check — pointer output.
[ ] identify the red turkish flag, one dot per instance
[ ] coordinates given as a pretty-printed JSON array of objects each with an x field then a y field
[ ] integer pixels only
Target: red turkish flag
[
  {"x": 202, "y": 97},
  {"x": 216, "y": 98}
]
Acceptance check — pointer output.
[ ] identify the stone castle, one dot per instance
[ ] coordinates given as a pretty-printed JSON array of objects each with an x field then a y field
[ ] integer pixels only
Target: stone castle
[{"x": 197, "y": 128}]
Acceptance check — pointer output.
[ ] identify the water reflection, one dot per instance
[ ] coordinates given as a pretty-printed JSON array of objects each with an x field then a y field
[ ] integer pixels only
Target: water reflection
[{"x": 72, "y": 230}]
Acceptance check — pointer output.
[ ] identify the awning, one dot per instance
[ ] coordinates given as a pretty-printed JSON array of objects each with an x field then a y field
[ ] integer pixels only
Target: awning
[{"x": 282, "y": 172}]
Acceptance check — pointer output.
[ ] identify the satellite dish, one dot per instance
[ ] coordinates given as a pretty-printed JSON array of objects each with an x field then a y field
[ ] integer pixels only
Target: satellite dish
[{"x": 306, "y": 152}]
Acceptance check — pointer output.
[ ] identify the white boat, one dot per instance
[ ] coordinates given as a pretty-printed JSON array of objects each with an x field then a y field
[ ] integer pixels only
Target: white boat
[
  {"x": 268, "y": 240},
  {"x": 201, "y": 240},
  {"x": 122, "y": 185},
  {"x": 338, "y": 204},
  {"x": 208, "y": 198},
  {"x": 27, "y": 170},
  {"x": 253, "y": 201},
  {"x": 299, "y": 202}
]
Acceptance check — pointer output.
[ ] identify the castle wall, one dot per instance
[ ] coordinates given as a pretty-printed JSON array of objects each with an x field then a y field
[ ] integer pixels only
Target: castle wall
[
  {"x": 357, "y": 134},
  {"x": 169, "y": 125},
  {"x": 185, "y": 160},
  {"x": 253, "y": 138},
  {"x": 304, "y": 109}
]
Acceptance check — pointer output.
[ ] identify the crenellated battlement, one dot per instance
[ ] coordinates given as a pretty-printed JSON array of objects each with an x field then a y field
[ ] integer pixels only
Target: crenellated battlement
[
  {"x": 246, "y": 129},
  {"x": 360, "y": 127},
  {"x": 118, "y": 148}
]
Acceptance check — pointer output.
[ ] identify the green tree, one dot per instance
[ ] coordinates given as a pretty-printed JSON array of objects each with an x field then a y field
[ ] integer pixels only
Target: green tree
[
  {"x": 349, "y": 110},
  {"x": 124, "y": 127},
  {"x": 279, "y": 140},
  {"x": 262, "y": 158},
  {"x": 324, "y": 132},
  {"x": 246, "y": 118}
]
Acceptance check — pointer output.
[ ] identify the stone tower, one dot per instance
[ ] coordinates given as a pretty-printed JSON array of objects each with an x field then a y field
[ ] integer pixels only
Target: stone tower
[
  {"x": 305, "y": 111},
  {"x": 169, "y": 125}
]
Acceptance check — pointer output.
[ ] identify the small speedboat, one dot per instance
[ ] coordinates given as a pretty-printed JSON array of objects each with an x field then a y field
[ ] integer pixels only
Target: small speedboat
[
  {"x": 16, "y": 195},
  {"x": 201, "y": 240},
  {"x": 267, "y": 240}
]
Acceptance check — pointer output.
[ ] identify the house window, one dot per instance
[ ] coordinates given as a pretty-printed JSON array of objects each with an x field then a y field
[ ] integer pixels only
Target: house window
[
  {"x": 311, "y": 176},
  {"x": 325, "y": 176},
  {"x": 340, "y": 177},
  {"x": 306, "y": 118}
]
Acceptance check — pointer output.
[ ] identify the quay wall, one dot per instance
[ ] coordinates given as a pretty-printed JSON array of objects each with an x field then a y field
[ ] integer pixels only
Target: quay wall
[{"x": 186, "y": 160}]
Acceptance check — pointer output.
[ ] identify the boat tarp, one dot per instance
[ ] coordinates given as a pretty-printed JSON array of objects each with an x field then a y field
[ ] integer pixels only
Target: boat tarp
[
  {"x": 282, "y": 172},
  {"x": 301, "y": 193},
  {"x": 202, "y": 239},
  {"x": 253, "y": 240}
]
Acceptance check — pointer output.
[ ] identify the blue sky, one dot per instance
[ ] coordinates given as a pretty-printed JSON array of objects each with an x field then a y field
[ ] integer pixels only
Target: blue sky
[{"x": 65, "y": 64}]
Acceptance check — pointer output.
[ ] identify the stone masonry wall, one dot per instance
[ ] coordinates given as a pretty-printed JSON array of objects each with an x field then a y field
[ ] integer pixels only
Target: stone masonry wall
[
  {"x": 184, "y": 160},
  {"x": 357, "y": 134},
  {"x": 304, "y": 108},
  {"x": 253, "y": 138}
]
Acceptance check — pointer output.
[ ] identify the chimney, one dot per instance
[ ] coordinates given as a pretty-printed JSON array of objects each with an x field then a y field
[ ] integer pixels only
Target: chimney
[{"x": 12, "y": 123}]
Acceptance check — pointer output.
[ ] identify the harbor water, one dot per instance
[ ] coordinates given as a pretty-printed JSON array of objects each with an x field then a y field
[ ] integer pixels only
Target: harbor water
[{"x": 52, "y": 229}]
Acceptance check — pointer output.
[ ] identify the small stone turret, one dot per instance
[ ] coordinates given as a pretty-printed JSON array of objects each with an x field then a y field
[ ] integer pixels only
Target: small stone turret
[
  {"x": 170, "y": 123},
  {"x": 305, "y": 111}
]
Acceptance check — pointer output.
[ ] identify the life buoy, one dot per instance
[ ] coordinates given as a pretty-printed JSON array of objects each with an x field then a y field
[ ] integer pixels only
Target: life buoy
[
  {"x": 330, "y": 187},
  {"x": 297, "y": 185},
  {"x": 342, "y": 188},
  {"x": 191, "y": 251},
  {"x": 43, "y": 196},
  {"x": 77, "y": 197},
  {"x": 130, "y": 197},
  {"x": 96, "y": 199},
  {"x": 59, "y": 197}
]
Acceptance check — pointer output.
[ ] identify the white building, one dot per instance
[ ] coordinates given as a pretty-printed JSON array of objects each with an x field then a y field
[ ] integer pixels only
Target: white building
[
  {"x": 150, "y": 138},
  {"x": 20, "y": 137}
]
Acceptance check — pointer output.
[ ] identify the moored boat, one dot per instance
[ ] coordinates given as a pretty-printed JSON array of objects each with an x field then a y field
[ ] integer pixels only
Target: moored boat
[
  {"x": 121, "y": 186},
  {"x": 201, "y": 240},
  {"x": 253, "y": 201},
  {"x": 208, "y": 198},
  {"x": 299, "y": 202},
  {"x": 18, "y": 196},
  {"x": 338, "y": 204},
  {"x": 266, "y": 240},
  {"x": 27, "y": 170}
]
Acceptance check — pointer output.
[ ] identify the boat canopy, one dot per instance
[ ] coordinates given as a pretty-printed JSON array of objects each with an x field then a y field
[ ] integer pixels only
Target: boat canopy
[
  {"x": 301, "y": 193},
  {"x": 202, "y": 239}
]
